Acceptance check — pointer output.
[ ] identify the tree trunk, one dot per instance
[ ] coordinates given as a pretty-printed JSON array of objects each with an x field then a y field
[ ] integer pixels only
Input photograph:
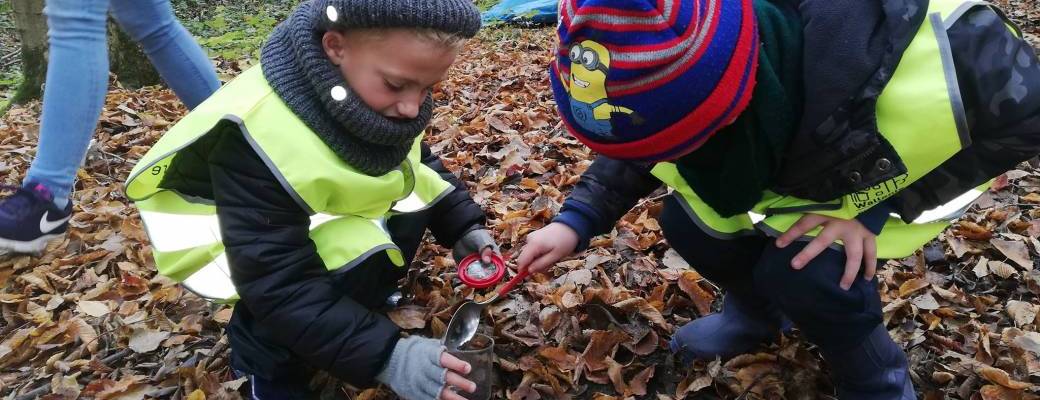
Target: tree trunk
[
  {"x": 32, "y": 29},
  {"x": 128, "y": 62}
]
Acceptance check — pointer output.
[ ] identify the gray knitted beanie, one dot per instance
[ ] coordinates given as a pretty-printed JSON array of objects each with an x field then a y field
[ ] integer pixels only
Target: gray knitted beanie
[
  {"x": 297, "y": 68},
  {"x": 460, "y": 17}
]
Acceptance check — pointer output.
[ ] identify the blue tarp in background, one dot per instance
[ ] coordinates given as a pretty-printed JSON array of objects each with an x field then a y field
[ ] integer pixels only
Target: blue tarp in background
[{"x": 523, "y": 11}]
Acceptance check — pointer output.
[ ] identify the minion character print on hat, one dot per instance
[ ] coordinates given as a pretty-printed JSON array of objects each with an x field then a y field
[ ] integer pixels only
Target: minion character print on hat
[
  {"x": 652, "y": 80},
  {"x": 587, "y": 85}
]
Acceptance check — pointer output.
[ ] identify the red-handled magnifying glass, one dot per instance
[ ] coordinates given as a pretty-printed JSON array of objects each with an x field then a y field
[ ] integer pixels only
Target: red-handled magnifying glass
[{"x": 480, "y": 275}]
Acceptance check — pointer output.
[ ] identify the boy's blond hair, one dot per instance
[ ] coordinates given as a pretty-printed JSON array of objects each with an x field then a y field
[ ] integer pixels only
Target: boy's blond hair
[
  {"x": 446, "y": 39},
  {"x": 441, "y": 38}
]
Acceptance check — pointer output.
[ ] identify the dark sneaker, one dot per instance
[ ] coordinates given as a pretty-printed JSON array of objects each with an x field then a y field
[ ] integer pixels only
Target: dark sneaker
[{"x": 29, "y": 219}]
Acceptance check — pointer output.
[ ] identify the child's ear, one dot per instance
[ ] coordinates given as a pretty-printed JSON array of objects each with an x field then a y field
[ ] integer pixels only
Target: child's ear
[{"x": 334, "y": 44}]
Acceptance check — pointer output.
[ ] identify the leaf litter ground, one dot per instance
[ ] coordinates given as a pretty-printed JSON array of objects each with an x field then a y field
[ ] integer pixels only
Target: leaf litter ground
[{"x": 90, "y": 319}]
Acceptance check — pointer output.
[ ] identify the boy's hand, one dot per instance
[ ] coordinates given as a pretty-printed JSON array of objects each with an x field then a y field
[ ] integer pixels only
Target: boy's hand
[
  {"x": 860, "y": 244},
  {"x": 477, "y": 240},
  {"x": 546, "y": 246},
  {"x": 419, "y": 368},
  {"x": 455, "y": 378}
]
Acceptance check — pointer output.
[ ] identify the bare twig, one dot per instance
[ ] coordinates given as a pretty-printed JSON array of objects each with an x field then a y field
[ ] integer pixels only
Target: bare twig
[
  {"x": 214, "y": 352},
  {"x": 117, "y": 355},
  {"x": 35, "y": 393},
  {"x": 7, "y": 62},
  {"x": 8, "y": 56}
]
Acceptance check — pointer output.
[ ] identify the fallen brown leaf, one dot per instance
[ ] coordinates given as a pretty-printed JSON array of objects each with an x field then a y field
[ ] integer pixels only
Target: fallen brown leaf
[
  {"x": 1001, "y": 378},
  {"x": 601, "y": 345},
  {"x": 409, "y": 317},
  {"x": 147, "y": 340},
  {"x": 1015, "y": 251},
  {"x": 912, "y": 286},
  {"x": 972, "y": 231},
  {"x": 1021, "y": 312},
  {"x": 1001, "y": 269},
  {"x": 689, "y": 283}
]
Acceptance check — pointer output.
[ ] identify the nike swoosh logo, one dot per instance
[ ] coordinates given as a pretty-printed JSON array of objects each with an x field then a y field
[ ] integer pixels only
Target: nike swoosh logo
[{"x": 47, "y": 226}]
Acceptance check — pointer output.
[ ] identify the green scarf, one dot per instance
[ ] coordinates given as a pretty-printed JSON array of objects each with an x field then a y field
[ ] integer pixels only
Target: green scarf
[{"x": 733, "y": 168}]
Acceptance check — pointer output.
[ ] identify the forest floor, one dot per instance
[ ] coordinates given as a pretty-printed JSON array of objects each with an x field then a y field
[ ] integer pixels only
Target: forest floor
[{"x": 89, "y": 318}]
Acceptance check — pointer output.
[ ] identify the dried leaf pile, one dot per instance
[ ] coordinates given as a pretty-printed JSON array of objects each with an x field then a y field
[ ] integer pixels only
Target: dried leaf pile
[{"x": 89, "y": 318}]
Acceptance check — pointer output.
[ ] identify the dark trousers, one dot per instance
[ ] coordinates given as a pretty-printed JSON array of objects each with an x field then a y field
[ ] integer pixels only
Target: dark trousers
[
  {"x": 755, "y": 269},
  {"x": 369, "y": 283}
]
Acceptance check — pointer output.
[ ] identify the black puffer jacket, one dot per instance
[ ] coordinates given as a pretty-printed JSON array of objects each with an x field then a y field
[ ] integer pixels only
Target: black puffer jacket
[
  {"x": 839, "y": 150},
  {"x": 297, "y": 311},
  {"x": 999, "y": 78}
]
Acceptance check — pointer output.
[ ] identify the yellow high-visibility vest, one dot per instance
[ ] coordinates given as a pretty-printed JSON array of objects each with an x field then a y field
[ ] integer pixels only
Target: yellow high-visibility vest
[
  {"x": 348, "y": 208},
  {"x": 920, "y": 113}
]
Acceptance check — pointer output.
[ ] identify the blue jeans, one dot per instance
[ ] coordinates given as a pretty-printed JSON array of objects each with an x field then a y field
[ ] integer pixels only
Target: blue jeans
[{"x": 77, "y": 76}]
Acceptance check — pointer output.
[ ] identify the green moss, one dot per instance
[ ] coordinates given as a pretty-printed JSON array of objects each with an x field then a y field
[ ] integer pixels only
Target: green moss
[
  {"x": 233, "y": 31},
  {"x": 485, "y": 5}
]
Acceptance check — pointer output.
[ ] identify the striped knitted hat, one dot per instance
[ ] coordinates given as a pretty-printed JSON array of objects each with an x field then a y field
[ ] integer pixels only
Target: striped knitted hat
[{"x": 652, "y": 80}]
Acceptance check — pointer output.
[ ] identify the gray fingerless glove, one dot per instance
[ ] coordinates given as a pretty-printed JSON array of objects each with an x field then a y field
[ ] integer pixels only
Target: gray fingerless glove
[
  {"x": 414, "y": 370},
  {"x": 472, "y": 242}
]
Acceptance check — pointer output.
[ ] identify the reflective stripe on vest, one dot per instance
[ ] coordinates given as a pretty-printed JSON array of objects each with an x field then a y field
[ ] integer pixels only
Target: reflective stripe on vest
[
  {"x": 348, "y": 209},
  {"x": 919, "y": 112}
]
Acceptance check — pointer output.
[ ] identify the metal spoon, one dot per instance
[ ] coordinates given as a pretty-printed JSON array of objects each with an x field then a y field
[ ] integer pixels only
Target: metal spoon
[{"x": 464, "y": 322}]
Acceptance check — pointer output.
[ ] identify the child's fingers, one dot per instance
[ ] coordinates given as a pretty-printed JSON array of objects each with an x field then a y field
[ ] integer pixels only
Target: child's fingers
[
  {"x": 453, "y": 363},
  {"x": 528, "y": 254},
  {"x": 813, "y": 249},
  {"x": 485, "y": 255},
  {"x": 448, "y": 394},
  {"x": 870, "y": 253},
  {"x": 853, "y": 260},
  {"x": 457, "y": 381},
  {"x": 805, "y": 224},
  {"x": 543, "y": 262}
]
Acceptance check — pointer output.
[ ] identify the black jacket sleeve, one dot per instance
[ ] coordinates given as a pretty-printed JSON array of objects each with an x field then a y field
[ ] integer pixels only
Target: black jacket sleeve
[
  {"x": 606, "y": 191},
  {"x": 999, "y": 78},
  {"x": 281, "y": 279},
  {"x": 456, "y": 214}
]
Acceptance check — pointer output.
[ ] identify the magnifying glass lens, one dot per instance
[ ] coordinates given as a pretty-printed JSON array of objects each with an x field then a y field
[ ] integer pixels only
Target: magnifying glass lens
[{"x": 480, "y": 271}]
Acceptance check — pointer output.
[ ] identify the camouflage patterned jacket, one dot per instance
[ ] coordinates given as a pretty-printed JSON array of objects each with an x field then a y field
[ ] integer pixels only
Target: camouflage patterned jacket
[{"x": 848, "y": 62}]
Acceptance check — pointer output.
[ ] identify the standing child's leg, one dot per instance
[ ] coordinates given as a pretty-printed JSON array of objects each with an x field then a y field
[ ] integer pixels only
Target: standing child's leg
[
  {"x": 747, "y": 319},
  {"x": 846, "y": 325},
  {"x": 77, "y": 79},
  {"x": 178, "y": 58}
]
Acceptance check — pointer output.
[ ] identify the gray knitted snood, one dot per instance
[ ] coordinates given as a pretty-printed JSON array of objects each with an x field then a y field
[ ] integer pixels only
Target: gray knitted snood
[{"x": 296, "y": 66}]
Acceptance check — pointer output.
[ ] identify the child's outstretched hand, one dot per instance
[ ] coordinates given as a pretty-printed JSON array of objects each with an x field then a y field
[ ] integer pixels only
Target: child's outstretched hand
[
  {"x": 546, "y": 246},
  {"x": 860, "y": 244}
]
